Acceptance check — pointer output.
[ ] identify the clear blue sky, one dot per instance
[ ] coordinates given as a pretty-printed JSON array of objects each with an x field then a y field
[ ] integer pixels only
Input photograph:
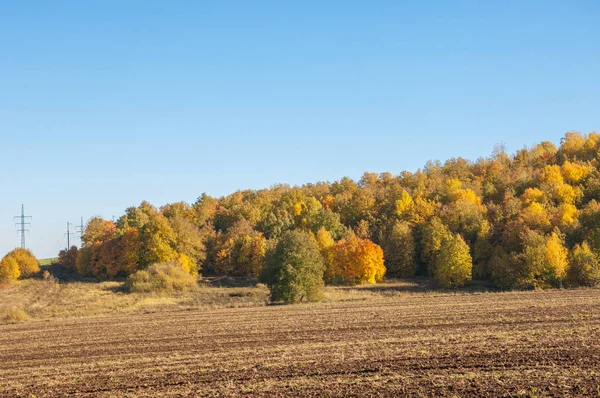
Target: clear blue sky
[{"x": 104, "y": 104}]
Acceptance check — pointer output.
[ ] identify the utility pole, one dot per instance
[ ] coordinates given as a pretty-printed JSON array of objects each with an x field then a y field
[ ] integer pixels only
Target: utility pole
[
  {"x": 69, "y": 233},
  {"x": 80, "y": 230},
  {"x": 22, "y": 224}
]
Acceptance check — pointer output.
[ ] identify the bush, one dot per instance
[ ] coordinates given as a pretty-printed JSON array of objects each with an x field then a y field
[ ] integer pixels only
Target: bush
[
  {"x": 161, "y": 278},
  {"x": 294, "y": 271},
  {"x": 9, "y": 270},
  {"x": 28, "y": 264}
]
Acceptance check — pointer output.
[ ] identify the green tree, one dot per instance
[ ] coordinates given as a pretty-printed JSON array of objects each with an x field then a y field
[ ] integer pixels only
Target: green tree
[
  {"x": 294, "y": 271},
  {"x": 399, "y": 251},
  {"x": 584, "y": 267},
  {"x": 434, "y": 232},
  {"x": 454, "y": 265}
]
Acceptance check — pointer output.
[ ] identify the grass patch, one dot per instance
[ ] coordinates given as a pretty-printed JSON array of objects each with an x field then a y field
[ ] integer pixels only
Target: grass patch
[
  {"x": 14, "y": 315},
  {"x": 48, "y": 261}
]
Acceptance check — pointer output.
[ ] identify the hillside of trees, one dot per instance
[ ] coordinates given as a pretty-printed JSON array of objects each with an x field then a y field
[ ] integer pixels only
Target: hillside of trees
[{"x": 516, "y": 221}]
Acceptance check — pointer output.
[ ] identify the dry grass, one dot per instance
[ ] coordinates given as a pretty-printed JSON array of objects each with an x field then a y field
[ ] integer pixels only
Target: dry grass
[
  {"x": 48, "y": 299},
  {"x": 13, "y": 315}
]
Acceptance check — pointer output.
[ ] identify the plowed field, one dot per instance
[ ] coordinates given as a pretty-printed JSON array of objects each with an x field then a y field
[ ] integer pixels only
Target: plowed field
[{"x": 493, "y": 344}]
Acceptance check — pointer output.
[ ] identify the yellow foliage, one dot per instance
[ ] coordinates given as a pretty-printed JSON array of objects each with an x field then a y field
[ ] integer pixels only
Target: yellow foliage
[
  {"x": 532, "y": 195},
  {"x": 567, "y": 214},
  {"x": 574, "y": 172},
  {"x": 404, "y": 205},
  {"x": 28, "y": 264},
  {"x": 328, "y": 201},
  {"x": 98, "y": 231},
  {"x": 556, "y": 256},
  {"x": 455, "y": 192},
  {"x": 242, "y": 254},
  {"x": 470, "y": 196},
  {"x": 356, "y": 261},
  {"x": 454, "y": 265},
  {"x": 187, "y": 264},
  {"x": 453, "y": 188},
  {"x": 297, "y": 209},
  {"x": 325, "y": 242},
  {"x": 567, "y": 194},
  {"x": 552, "y": 175},
  {"x": 572, "y": 143},
  {"x": 9, "y": 270},
  {"x": 535, "y": 216},
  {"x": 324, "y": 239},
  {"x": 424, "y": 209}
]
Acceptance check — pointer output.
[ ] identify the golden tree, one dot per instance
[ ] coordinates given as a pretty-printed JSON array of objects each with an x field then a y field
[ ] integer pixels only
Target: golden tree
[
  {"x": 356, "y": 261},
  {"x": 28, "y": 264}
]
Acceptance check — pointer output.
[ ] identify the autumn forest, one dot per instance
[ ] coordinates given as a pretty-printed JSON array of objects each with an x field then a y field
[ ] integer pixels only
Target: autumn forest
[{"x": 528, "y": 220}]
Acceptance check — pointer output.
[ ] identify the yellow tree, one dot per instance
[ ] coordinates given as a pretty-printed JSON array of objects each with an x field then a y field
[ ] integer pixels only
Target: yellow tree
[
  {"x": 556, "y": 255},
  {"x": 157, "y": 238},
  {"x": 28, "y": 264},
  {"x": 574, "y": 173},
  {"x": 356, "y": 261},
  {"x": 454, "y": 265},
  {"x": 404, "y": 206},
  {"x": 325, "y": 242}
]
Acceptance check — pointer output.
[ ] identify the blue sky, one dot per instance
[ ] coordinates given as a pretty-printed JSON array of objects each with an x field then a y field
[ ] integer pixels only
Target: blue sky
[{"x": 104, "y": 104}]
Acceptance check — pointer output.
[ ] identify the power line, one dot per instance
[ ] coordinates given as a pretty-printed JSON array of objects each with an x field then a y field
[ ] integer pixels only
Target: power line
[
  {"x": 80, "y": 230},
  {"x": 21, "y": 224},
  {"x": 68, "y": 234}
]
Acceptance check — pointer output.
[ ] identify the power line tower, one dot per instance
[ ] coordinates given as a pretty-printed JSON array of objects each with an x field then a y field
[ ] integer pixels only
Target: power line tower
[
  {"x": 80, "y": 230},
  {"x": 22, "y": 224},
  {"x": 68, "y": 234}
]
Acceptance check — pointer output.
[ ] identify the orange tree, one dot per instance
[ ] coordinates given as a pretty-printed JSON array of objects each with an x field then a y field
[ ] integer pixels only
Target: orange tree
[{"x": 356, "y": 261}]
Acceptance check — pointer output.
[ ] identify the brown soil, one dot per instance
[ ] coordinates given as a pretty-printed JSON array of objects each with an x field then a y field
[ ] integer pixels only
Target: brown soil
[{"x": 493, "y": 344}]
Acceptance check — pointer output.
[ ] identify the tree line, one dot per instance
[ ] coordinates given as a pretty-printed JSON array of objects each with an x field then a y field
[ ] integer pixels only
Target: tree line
[{"x": 516, "y": 221}]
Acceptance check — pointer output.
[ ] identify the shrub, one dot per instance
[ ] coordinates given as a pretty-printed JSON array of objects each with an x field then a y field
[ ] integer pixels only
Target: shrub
[
  {"x": 28, "y": 264},
  {"x": 161, "y": 278},
  {"x": 454, "y": 265},
  {"x": 294, "y": 270},
  {"x": 9, "y": 270}
]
